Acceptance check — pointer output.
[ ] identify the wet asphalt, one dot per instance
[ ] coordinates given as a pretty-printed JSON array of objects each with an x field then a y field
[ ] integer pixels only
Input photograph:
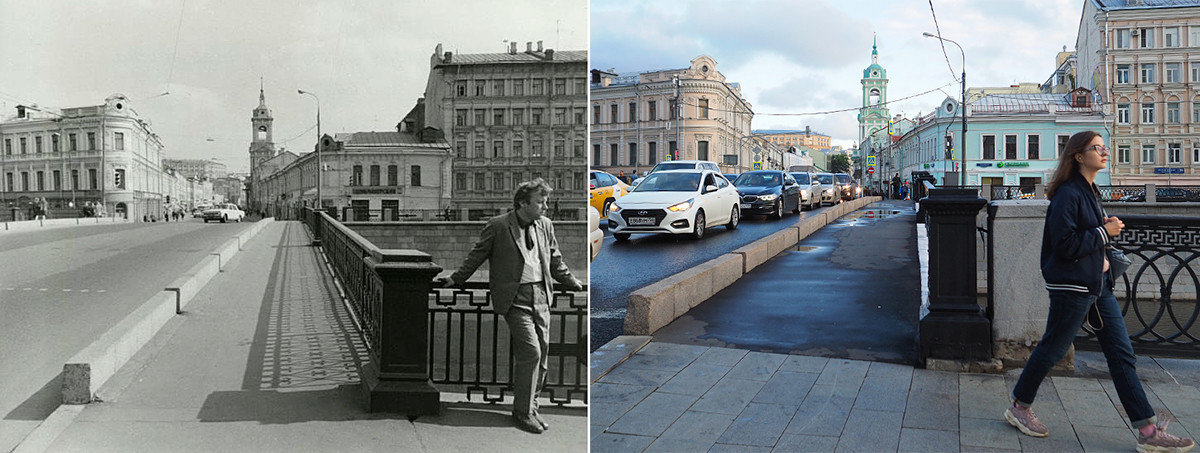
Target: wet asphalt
[{"x": 850, "y": 290}]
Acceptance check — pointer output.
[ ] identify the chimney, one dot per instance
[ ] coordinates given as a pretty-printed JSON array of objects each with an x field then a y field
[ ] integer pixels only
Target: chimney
[
  {"x": 512, "y": 48},
  {"x": 528, "y": 46},
  {"x": 20, "y": 111},
  {"x": 539, "y": 46},
  {"x": 446, "y": 57},
  {"x": 549, "y": 54}
]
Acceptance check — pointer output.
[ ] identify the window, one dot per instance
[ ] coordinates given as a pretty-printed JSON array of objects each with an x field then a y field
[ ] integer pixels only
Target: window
[
  {"x": 460, "y": 88},
  {"x": 1173, "y": 116},
  {"x": 595, "y": 155},
  {"x": 1148, "y": 112},
  {"x": 1123, "y": 154},
  {"x": 57, "y": 180},
  {"x": 92, "y": 182},
  {"x": 498, "y": 88},
  {"x": 8, "y": 146},
  {"x": 560, "y": 149},
  {"x": 480, "y": 182},
  {"x": 1033, "y": 147},
  {"x": 119, "y": 141},
  {"x": 1195, "y": 70},
  {"x": 498, "y": 149},
  {"x": 460, "y": 149},
  {"x": 580, "y": 88},
  {"x": 1171, "y": 37},
  {"x": 516, "y": 179},
  {"x": 1146, "y": 38},
  {"x": 479, "y": 149},
  {"x": 25, "y": 181},
  {"x": 1010, "y": 147},
  {"x": 460, "y": 181},
  {"x": 674, "y": 108},
  {"x": 612, "y": 114},
  {"x": 37, "y": 144},
  {"x": 1174, "y": 153},
  {"x": 1195, "y": 156},
  {"x": 356, "y": 176},
  {"x": 560, "y": 115},
  {"x": 578, "y": 148},
  {"x": 479, "y": 117},
  {"x": 537, "y": 117},
  {"x": 653, "y": 155},
  {"x": 1196, "y": 112},
  {"x": 989, "y": 147},
  {"x": 393, "y": 175},
  {"x": 479, "y": 87},
  {"x": 595, "y": 114},
  {"x": 8, "y": 181},
  {"x": 1147, "y": 154},
  {"x": 1173, "y": 72},
  {"x": 518, "y": 117},
  {"x": 41, "y": 180},
  {"x": 1124, "y": 39},
  {"x": 518, "y": 148},
  {"x": 518, "y": 87},
  {"x": 23, "y": 147},
  {"x": 633, "y": 154},
  {"x": 702, "y": 150},
  {"x": 632, "y": 112},
  {"x": 74, "y": 142},
  {"x": 54, "y": 143},
  {"x": 651, "y": 110},
  {"x": 614, "y": 157},
  {"x": 1148, "y": 73},
  {"x": 498, "y": 181},
  {"x": 1062, "y": 145},
  {"x": 498, "y": 117},
  {"x": 535, "y": 148},
  {"x": 579, "y": 112},
  {"x": 1122, "y": 113},
  {"x": 703, "y": 111},
  {"x": 460, "y": 117},
  {"x": 74, "y": 180},
  {"x": 673, "y": 149},
  {"x": 538, "y": 87},
  {"x": 560, "y": 87},
  {"x": 1195, "y": 38},
  {"x": 1123, "y": 73},
  {"x": 374, "y": 175}
]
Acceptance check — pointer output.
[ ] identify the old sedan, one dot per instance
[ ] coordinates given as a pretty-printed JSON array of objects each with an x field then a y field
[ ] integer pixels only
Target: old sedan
[
  {"x": 676, "y": 202},
  {"x": 224, "y": 212}
]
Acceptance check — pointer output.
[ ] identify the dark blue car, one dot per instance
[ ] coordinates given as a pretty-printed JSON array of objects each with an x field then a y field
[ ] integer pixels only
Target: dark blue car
[{"x": 768, "y": 192}]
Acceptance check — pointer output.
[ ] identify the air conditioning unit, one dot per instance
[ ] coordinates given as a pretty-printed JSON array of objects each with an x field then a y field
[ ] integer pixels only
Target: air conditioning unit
[{"x": 1136, "y": 32}]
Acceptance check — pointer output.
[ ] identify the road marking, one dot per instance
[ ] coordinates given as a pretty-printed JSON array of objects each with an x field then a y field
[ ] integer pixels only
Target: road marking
[
  {"x": 26, "y": 289},
  {"x": 66, "y": 290},
  {"x": 83, "y": 290},
  {"x": 43, "y": 289},
  {"x": 100, "y": 290}
]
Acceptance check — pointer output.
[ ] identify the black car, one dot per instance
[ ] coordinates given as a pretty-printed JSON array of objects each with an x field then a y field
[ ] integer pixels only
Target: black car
[
  {"x": 847, "y": 188},
  {"x": 768, "y": 192}
]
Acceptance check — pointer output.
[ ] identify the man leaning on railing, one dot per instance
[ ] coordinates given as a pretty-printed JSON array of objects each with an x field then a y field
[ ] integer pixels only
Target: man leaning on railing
[{"x": 523, "y": 255}]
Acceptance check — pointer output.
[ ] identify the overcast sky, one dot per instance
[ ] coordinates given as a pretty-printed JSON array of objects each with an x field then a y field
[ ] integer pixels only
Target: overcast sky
[
  {"x": 794, "y": 57},
  {"x": 367, "y": 60}
]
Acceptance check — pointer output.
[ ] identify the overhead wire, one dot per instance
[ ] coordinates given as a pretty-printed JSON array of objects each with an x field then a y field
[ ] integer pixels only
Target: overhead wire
[{"x": 945, "y": 56}]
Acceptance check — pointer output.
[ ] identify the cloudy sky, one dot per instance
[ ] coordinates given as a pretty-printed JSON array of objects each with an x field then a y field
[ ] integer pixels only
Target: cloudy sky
[
  {"x": 367, "y": 60},
  {"x": 796, "y": 57}
]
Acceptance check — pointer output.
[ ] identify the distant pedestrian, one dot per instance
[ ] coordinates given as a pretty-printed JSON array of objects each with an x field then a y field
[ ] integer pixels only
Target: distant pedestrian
[
  {"x": 896, "y": 186},
  {"x": 523, "y": 256},
  {"x": 1077, "y": 272}
]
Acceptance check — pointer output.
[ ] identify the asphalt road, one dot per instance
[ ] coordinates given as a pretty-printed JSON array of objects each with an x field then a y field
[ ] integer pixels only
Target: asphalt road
[
  {"x": 62, "y": 288},
  {"x": 623, "y": 267}
]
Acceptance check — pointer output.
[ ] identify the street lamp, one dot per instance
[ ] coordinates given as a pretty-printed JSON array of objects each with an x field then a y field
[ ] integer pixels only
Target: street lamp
[
  {"x": 963, "y": 107},
  {"x": 319, "y": 205}
]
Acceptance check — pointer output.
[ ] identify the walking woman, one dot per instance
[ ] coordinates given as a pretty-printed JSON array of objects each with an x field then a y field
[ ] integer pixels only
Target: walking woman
[{"x": 1076, "y": 269}]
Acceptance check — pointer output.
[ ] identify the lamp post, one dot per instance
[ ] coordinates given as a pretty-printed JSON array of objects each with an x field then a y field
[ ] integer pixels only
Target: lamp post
[
  {"x": 963, "y": 107},
  {"x": 318, "y": 204}
]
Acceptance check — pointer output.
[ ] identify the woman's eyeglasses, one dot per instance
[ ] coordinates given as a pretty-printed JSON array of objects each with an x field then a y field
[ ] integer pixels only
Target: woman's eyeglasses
[{"x": 1100, "y": 149}]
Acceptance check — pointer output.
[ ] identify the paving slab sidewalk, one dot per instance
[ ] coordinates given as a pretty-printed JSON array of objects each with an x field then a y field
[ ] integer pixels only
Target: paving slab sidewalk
[{"x": 266, "y": 359}]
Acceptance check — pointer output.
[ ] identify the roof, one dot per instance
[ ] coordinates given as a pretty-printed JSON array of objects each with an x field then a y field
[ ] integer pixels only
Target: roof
[
  {"x": 1144, "y": 4},
  {"x": 1040, "y": 102},
  {"x": 387, "y": 138},
  {"x": 561, "y": 56},
  {"x": 634, "y": 78},
  {"x": 785, "y": 131}
]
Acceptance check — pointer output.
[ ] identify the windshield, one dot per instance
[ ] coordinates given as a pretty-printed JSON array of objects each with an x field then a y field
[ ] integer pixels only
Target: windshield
[
  {"x": 825, "y": 179},
  {"x": 801, "y": 178},
  {"x": 669, "y": 182},
  {"x": 673, "y": 166},
  {"x": 758, "y": 180},
  {"x": 843, "y": 179}
]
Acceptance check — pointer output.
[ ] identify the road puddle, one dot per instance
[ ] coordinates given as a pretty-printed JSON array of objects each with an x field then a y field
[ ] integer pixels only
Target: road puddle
[
  {"x": 866, "y": 217},
  {"x": 803, "y": 248}
]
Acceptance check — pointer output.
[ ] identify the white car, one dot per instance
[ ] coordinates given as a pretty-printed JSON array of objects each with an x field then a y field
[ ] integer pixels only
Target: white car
[
  {"x": 676, "y": 202},
  {"x": 224, "y": 212},
  {"x": 810, "y": 189},
  {"x": 595, "y": 235},
  {"x": 830, "y": 192}
]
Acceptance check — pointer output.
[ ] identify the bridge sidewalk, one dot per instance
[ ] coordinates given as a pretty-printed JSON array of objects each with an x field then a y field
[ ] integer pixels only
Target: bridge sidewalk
[{"x": 267, "y": 359}]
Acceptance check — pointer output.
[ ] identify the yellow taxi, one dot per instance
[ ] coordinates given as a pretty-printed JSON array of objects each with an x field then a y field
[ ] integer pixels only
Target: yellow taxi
[{"x": 605, "y": 189}]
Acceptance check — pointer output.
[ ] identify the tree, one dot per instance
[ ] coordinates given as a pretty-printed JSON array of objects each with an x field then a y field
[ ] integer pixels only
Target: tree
[{"x": 839, "y": 163}]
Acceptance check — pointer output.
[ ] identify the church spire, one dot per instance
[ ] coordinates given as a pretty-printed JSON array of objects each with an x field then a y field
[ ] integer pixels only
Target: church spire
[
  {"x": 262, "y": 98},
  {"x": 875, "y": 49}
]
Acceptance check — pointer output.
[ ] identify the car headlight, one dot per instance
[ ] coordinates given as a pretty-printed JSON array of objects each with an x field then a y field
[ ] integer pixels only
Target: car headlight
[
  {"x": 612, "y": 207},
  {"x": 804, "y": 193},
  {"x": 682, "y": 206},
  {"x": 767, "y": 197}
]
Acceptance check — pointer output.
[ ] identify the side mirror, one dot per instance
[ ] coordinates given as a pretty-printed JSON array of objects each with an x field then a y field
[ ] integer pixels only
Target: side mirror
[{"x": 710, "y": 188}]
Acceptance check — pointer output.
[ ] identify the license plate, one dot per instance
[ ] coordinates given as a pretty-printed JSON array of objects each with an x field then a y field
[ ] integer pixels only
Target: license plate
[
  {"x": 745, "y": 205},
  {"x": 641, "y": 220}
]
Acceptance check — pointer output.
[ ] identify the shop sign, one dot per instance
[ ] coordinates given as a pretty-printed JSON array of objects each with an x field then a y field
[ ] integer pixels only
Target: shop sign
[
  {"x": 1011, "y": 164},
  {"x": 375, "y": 190},
  {"x": 1168, "y": 170},
  {"x": 983, "y": 164}
]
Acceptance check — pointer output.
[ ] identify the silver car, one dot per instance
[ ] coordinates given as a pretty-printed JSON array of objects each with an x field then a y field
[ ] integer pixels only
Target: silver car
[
  {"x": 810, "y": 189},
  {"x": 830, "y": 193}
]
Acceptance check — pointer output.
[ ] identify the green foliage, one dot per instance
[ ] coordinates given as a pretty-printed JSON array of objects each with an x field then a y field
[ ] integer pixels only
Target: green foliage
[{"x": 839, "y": 163}]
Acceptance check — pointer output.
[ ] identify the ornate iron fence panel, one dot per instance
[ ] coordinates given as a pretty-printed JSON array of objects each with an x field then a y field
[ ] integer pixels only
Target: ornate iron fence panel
[
  {"x": 1158, "y": 293},
  {"x": 469, "y": 348},
  {"x": 347, "y": 253}
]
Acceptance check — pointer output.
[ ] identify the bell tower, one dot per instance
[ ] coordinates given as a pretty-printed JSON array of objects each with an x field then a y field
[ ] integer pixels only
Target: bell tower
[
  {"x": 261, "y": 146},
  {"x": 874, "y": 113}
]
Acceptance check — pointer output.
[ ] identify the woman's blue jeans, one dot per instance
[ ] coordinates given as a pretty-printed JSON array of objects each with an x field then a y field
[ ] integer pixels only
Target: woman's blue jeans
[{"x": 1068, "y": 310}]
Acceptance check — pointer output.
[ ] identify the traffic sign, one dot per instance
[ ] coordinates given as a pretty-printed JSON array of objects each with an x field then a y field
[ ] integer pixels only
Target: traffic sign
[
  {"x": 870, "y": 161},
  {"x": 756, "y": 166},
  {"x": 870, "y": 170}
]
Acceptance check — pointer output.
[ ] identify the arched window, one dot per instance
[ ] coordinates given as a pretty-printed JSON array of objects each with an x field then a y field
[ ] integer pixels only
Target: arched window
[{"x": 873, "y": 97}]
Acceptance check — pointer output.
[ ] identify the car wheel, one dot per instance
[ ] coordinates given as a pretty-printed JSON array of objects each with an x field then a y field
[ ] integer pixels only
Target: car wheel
[
  {"x": 224, "y": 219},
  {"x": 734, "y": 217},
  {"x": 621, "y": 236},
  {"x": 698, "y": 229},
  {"x": 604, "y": 210},
  {"x": 239, "y": 220},
  {"x": 778, "y": 214},
  {"x": 205, "y": 220},
  {"x": 799, "y": 207}
]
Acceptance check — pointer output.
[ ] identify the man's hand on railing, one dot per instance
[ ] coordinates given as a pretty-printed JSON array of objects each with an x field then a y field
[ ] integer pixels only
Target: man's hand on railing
[
  {"x": 444, "y": 282},
  {"x": 573, "y": 285}
]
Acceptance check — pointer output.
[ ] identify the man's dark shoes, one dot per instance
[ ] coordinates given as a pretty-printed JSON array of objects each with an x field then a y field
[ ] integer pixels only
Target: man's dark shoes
[
  {"x": 527, "y": 423},
  {"x": 541, "y": 421}
]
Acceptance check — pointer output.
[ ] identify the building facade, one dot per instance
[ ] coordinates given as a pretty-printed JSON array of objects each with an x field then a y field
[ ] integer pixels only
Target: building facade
[
  {"x": 1143, "y": 58},
  {"x": 1013, "y": 140},
  {"x": 102, "y": 156},
  {"x": 791, "y": 138},
  {"x": 511, "y": 117},
  {"x": 689, "y": 113},
  {"x": 198, "y": 168}
]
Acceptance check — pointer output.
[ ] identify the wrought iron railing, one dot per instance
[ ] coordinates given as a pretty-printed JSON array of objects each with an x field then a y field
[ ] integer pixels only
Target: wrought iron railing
[
  {"x": 1158, "y": 293},
  {"x": 1122, "y": 193},
  {"x": 347, "y": 253},
  {"x": 468, "y": 348}
]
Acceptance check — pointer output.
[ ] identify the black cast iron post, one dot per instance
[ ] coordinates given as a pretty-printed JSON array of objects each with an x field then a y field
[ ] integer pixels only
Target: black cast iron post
[
  {"x": 398, "y": 377},
  {"x": 955, "y": 327}
]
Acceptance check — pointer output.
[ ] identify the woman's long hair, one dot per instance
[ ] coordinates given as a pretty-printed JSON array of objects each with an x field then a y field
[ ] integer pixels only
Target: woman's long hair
[{"x": 1067, "y": 165}]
